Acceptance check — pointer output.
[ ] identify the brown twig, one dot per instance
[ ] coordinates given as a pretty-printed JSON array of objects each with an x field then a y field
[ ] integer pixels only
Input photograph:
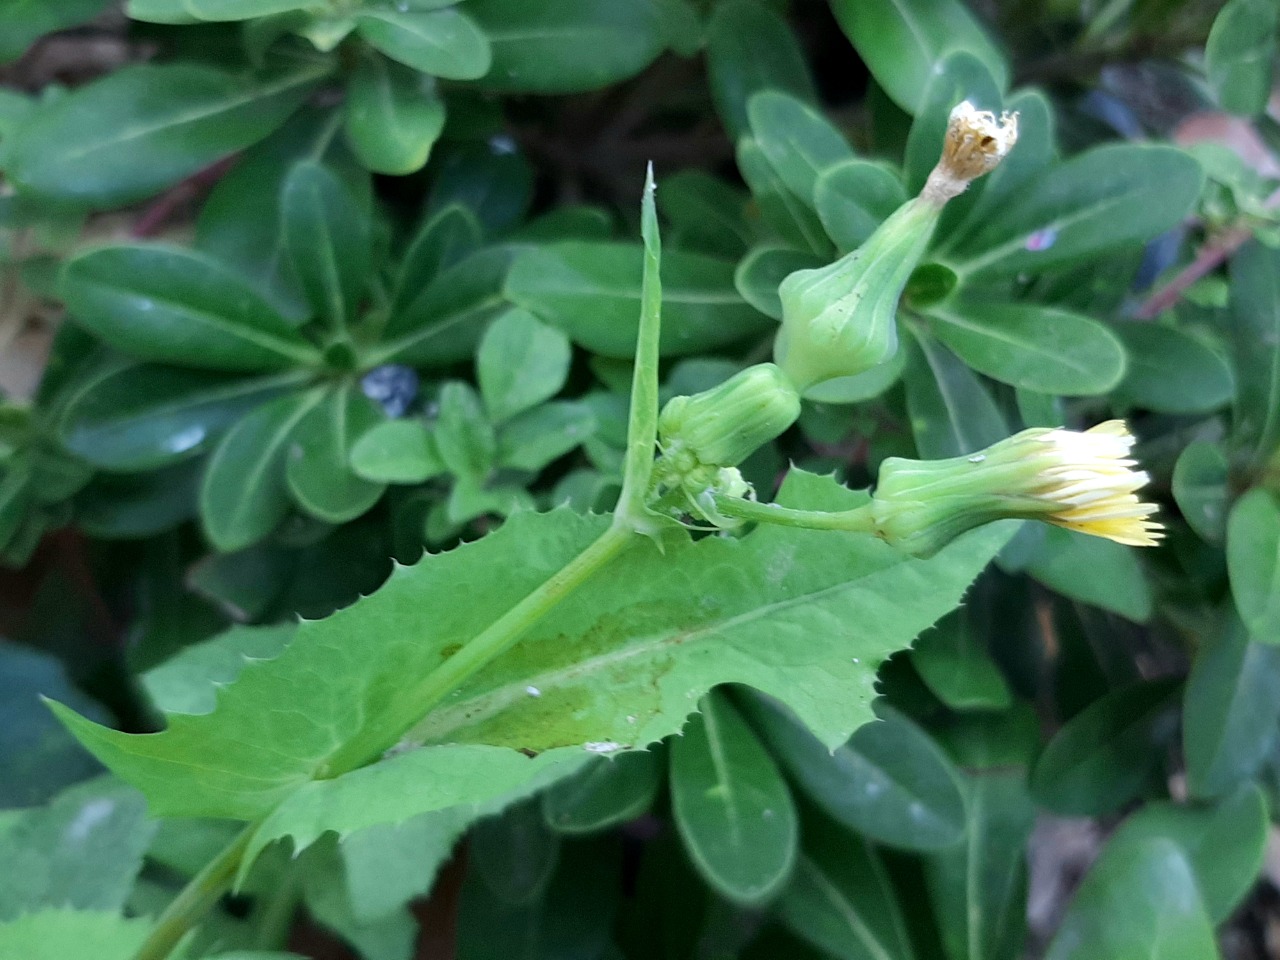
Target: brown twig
[
  {"x": 161, "y": 210},
  {"x": 1211, "y": 256}
]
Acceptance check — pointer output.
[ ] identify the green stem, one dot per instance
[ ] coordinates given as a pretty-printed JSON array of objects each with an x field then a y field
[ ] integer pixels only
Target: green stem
[
  {"x": 858, "y": 520},
  {"x": 195, "y": 900},
  {"x": 477, "y": 653}
]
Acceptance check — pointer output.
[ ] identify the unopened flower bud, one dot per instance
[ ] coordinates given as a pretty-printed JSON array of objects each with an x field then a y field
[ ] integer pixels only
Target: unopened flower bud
[
  {"x": 840, "y": 320},
  {"x": 724, "y": 425},
  {"x": 1082, "y": 481}
]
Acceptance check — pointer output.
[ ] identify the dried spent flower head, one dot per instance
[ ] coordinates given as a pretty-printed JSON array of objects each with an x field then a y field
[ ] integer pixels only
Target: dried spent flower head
[
  {"x": 1082, "y": 481},
  {"x": 975, "y": 143},
  {"x": 1089, "y": 477}
]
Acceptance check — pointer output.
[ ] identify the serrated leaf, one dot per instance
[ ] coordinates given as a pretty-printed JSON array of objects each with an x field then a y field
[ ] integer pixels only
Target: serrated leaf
[
  {"x": 444, "y": 43},
  {"x": 1111, "y": 196},
  {"x": 732, "y": 807},
  {"x": 60, "y": 934},
  {"x": 889, "y": 781},
  {"x": 521, "y": 363},
  {"x": 1230, "y": 711},
  {"x": 775, "y": 596},
  {"x": 243, "y": 495},
  {"x": 397, "y": 451},
  {"x": 592, "y": 292},
  {"x": 328, "y": 238},
  {"x": 144, "y": 127},
  {"x": 902, "y": 43},
  {"x": 83, "y": 851},
  {"x": 1253, "y": 560},
  {"x": 188, "y": 681},
  {"x": 1031, "y": 346},
  {"x": 318, "y": 471},
  {"x": 604, "y": 793},
  {"x": 171, "y": 305},
  {"x": 388, "y": 865}
]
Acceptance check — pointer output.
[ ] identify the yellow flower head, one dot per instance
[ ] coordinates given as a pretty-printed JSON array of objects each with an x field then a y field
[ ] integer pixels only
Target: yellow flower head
[
  {"x": 1082, "y": 481},
  {"x": 1090, "y": 480}
]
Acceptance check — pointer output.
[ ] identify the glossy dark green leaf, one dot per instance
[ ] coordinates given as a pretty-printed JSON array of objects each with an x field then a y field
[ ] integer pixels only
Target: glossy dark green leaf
[
  {"x": 855, "y": 197},
  {"x": 954, "y": 663},
  {"x": 1094, "y": 570},
  {"x": 751, "y": 48},
  {"x": 328, "y": 238},
  {"x": 445, "y": 238},
  {"x": 319, "y": 474},
  {"x": 573, "y": 918},
  {"x": 1104, "y": 756},
  {"x": 521, "y": 363},
  {"x": 1031, "y": 346},
  {"x": 605, "y": 793},
  {"x": 1171, "y": 371},
  {"x": 1200, "y": 489},
  {"x": 147, "y": 126},
  {"x": 444, "y": 43},
  {"x": 22, "y": 22},
  {"x": 796, "y": 139},
  {"x": 490, "y": 178},
  {"x": 1112, "y": 196},
  {"x": 464, "y": 436},
  {"x": 731, "y": 805},
  {"x": 244, "y": 495},
  {"x": 952, "y": 413},
  {"x": 1239, "y": 54},
  {"x": 840, "y": 898},
  {"x": 890, "y": 781},
  {"x": 142, "y": 417},
  {"x": 791, "y": 218},
  {"x": 1224, "y": 843},
  {"x": 704, "y": 213},
  {"x": 389, "y": 865},
  {"x": 443, "y": 323},
  {"x": 170, "y": 305},
  {"x": 592, "y": 292},
  {"x": 1255, "y": 336},
  {"x": 535, "y": 438},
  {"x": 515, "y": 853},
  {"x": 1138, "y": 900},
  {"x": 765, "y": 267},
  {"x": 134, "y": 506},
  {"x": 978, "y": 888},
  {"x": 397, "y": 451},
  {"x": 565, "y": 46},
  {"x": 239, "y": 9},
  {"x": 901, "y": 43},
  {"x": 1253, "y": 560}
]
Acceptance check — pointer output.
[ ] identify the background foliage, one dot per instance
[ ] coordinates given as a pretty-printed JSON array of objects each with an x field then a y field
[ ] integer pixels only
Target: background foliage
[{"x": 346, "y": 281}]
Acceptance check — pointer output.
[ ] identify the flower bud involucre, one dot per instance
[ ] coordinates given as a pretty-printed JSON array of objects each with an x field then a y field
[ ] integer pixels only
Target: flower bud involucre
[{"x": 841, "y": 319}]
